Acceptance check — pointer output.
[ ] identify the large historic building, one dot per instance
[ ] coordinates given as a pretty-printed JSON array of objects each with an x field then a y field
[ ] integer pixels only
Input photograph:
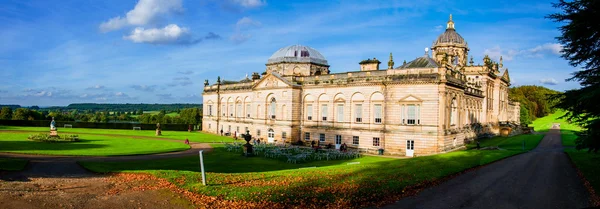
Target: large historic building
[{"x": 429, "y": 105}]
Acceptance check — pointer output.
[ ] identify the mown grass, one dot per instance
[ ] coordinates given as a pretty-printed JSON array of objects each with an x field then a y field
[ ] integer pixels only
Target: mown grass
[
  {"x": 332, "y": 183},
  {"x": 180, "y": 135},
  {"x": 545, "y": 124},
  {"x": 89, "y": 145},
  {"x": 511, "y": 143},
  {"x": 12, "y": 164}
]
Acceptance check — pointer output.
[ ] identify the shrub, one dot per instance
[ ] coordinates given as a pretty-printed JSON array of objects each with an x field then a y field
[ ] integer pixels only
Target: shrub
[{"x": 44, "y": 137}]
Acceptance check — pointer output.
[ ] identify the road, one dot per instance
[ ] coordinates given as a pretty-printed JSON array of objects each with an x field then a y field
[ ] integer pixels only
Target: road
[{"x": 541, "y": 178}]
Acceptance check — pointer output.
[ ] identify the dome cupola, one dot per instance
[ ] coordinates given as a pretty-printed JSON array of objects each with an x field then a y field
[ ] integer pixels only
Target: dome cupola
[{"x": 297, "y": 60}]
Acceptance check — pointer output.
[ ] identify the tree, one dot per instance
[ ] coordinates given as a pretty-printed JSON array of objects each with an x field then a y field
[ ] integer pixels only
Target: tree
[
  {"x": 581, "y": 47},
  {"x": 524, "y": 115},
  {"x": 6, "y": 113},
  {"x": 21, "y": 114}
]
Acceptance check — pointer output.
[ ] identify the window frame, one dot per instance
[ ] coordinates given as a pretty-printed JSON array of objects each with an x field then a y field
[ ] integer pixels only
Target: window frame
[
  {"x": 309, "y": 112},
  {"x": 378, "y": 120},
  {"x": 376, "y": 141},
  {"x": 306, "y": 136},
  {"x": 322, "y": 137},
  {"x": 358, "y": 113},
  {"x": 324, "y": 112},
  {"x": 355, "y": 140},
  {"x": 339, "y": 113}
]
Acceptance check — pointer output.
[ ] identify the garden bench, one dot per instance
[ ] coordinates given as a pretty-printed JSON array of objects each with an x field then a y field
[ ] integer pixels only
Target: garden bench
[
  {"x": 68, "y": 126},
  {"x": 137, "y": 128}
]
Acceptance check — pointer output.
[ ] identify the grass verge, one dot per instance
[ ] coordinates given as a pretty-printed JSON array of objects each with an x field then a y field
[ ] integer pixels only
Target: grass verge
[
  {"x": 89, "y": 145},
  {"x": 265, "y": 182},
  {"x": 179, "y": 135}
]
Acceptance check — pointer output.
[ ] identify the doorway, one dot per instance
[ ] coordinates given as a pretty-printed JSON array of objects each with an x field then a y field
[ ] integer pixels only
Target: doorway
[
  {"x": 338, "y": 141},
  {"x": 410, "y": 148},
  {"x": 271, "y": 136}
]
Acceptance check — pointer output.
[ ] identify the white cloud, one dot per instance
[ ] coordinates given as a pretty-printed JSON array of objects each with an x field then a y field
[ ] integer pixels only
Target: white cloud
[
  {"x": 548, "y": 81},
  {"x": 170, "y": 34},
  {"x": 246, "y": 22},
  {"x": 120, "y": 94},
  {"x": 249, "y": 3},
  {"x": 239, "y": 38},
  {"x": 537, "y": 51},
  {"x": 144, "y": 12},
  {"x": 150, "y": 88},
  {"x": 95, "y": 87}
]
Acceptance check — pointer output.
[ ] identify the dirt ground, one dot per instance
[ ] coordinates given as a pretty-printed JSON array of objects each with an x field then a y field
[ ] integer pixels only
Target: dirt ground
[{"x": 87, "y": 191}]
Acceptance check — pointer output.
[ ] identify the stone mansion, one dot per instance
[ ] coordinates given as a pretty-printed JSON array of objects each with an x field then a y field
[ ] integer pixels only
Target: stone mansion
[{"x": 432, "y": 104}]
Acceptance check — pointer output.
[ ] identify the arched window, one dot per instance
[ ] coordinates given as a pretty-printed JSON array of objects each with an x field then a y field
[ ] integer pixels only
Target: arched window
[
  {"x": 273, "y": 108},
  {"x": 453, "y": 112}
]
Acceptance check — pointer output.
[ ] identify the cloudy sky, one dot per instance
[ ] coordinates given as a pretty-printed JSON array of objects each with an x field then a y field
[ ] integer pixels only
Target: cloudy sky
[{"x": 57, "y": 52}]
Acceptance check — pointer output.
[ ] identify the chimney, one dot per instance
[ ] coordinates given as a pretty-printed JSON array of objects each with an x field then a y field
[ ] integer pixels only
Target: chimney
[{"x": 369, "y": 64}]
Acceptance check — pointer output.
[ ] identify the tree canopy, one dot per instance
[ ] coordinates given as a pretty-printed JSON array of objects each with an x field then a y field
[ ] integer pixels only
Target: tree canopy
[{"x": 581, "y": 47}]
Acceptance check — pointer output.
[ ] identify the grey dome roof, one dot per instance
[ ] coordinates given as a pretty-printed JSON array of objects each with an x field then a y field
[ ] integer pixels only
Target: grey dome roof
[
  {"x": 297, "y": 53},
  {"x": 450, "y": 36}
]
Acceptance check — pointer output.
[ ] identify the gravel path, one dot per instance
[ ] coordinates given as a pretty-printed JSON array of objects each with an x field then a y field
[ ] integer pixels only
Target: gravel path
[
  {"x": 59, "y": 182},
  {"x": 541, "y": 178}
]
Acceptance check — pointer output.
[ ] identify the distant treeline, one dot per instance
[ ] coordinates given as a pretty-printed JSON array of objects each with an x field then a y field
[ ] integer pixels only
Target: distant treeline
[
  {"x": 130, "y": 107},
  {"x": 11, "y": 106},
  {"x": 535, "y": 101}
]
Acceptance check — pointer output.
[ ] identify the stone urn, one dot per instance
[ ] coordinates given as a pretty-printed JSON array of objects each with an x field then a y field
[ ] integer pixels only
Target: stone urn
[
  {"x": 248, "y": 150},
  {"x": 158, "y": 130}
]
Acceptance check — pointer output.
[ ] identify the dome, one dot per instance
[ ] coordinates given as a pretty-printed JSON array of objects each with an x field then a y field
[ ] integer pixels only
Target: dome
[
  {"x": 297, "y": 53},
  {"x": 421, "y": 62},
  {"x": 450, "y": 36}
]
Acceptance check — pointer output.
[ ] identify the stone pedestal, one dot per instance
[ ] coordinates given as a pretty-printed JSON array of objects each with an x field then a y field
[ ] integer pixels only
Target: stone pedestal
[
  {"x": 158, "y": 132},
  {"x": 53, "y": 133},
  {"x": 248, "y": 150}
]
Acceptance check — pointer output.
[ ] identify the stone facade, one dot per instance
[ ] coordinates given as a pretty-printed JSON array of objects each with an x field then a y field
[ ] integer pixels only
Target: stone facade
[{"x": 427, "y": 106}]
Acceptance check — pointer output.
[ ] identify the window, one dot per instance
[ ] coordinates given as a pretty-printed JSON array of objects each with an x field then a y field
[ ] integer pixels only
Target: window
[
  {"x": 338, "y": 139},
  {"x": 257, "y": 132},
  {"x": 340, "y": 113},
  {"x": 248, "y": 110},
  {"x": 237, "y": 129},
  {"x": 230, "y": 110},
  {"x": 324, "y": 112},
  {"x": 284, "y": 135},
  {"x": 229, "y": 129},
  {"x": 410, "y": 144},
  {"x": 376, "y": 141},
  {"x": 412, "y": 114},
  {"x": 258, "y": 111},
  {"x": 210, "y": 110},
  {"x": 358, "y": 113},
  {"x": 223, "y": 110},
  {"x": 377, "y": 113},
  {"x": 209, "y": 126},
  {"x": 307, "y": 136},
  {"x": 309, "y": 111},
  {"x": 273, "y": 108},
  {"x": 322, "y": 137},
  {"x": 238, "y": 111},
  {"x": 355, "y": 140}
]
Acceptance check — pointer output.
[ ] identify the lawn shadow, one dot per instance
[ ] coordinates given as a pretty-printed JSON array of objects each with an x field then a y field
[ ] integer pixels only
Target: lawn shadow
[{"x": 9, "y": 146}]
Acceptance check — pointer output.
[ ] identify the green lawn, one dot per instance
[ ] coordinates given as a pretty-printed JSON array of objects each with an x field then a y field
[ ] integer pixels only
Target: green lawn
[
  {"x": 511, "y": 143},
  {"x": 180, "y": 135},
  {"x": 267, "y": 182},
  {"x": 544, "y": 124},
  {"x": 11, "y": 164},
  {"x": 90, "y": 145}
]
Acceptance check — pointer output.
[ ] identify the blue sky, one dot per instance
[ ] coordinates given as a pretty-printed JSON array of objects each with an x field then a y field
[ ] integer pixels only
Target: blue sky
[{"x": 161, "y": 51}]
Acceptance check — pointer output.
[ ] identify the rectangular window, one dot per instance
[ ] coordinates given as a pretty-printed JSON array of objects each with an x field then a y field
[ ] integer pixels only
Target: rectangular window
[
  {"x": 324, "y": 112},
  {"x": 411, "y": 114},
  {"x": 210, "y": 110},
  {"x": 410, "y": 144},
  {"x": 307, "y": 136},
  {"x": 229, "y": 129},
  {"x": 338, "y": 139},
  {"x": 376, "y": 141},
  {"x": 223, "y": 112},
  {"x": 238, "y": 112},
  {"x": 309, "y": 112},
  {"x": 340, "y": 113},
  {"x": 248, "y": 110},
  {"x": 209, "y": 126},
  {"x": 322, "y": 137},
  {"x": 358, "y": 113},
  {"x": 230, "y": 111},
  {"x": 377, "y": 112},
  {"x": 237, "y": 129},
  {"x": 402, "y": 114},
  {"x": 355, "y": 140},
  {"x": 257, "y": 132},
  {"x": 284, "y": 135}
]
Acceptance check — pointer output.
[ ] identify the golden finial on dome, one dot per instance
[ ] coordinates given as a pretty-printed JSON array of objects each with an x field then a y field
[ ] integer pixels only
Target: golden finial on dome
[{"x": 450, "y": 24}]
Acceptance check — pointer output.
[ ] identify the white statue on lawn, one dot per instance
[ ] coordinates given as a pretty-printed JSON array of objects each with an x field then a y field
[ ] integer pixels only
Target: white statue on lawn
[{"x": 53, "y": 125}]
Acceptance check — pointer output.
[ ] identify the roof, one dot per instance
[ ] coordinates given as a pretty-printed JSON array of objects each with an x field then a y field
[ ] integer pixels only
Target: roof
[
  {"x": 421, "y": 62},
  {"x": 297, "y": 53},
  {"x": 450, "y": 36}
]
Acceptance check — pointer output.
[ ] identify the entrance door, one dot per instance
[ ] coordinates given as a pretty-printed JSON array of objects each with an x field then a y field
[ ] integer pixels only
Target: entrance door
[
  {"x": 410, "y": 148},
  {"x": 338, "y": 141},
  {"x": 271, "y": 136}
]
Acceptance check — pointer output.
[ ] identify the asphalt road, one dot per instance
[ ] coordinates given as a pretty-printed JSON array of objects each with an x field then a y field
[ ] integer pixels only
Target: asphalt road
[{"x": 541, "y": 178}]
